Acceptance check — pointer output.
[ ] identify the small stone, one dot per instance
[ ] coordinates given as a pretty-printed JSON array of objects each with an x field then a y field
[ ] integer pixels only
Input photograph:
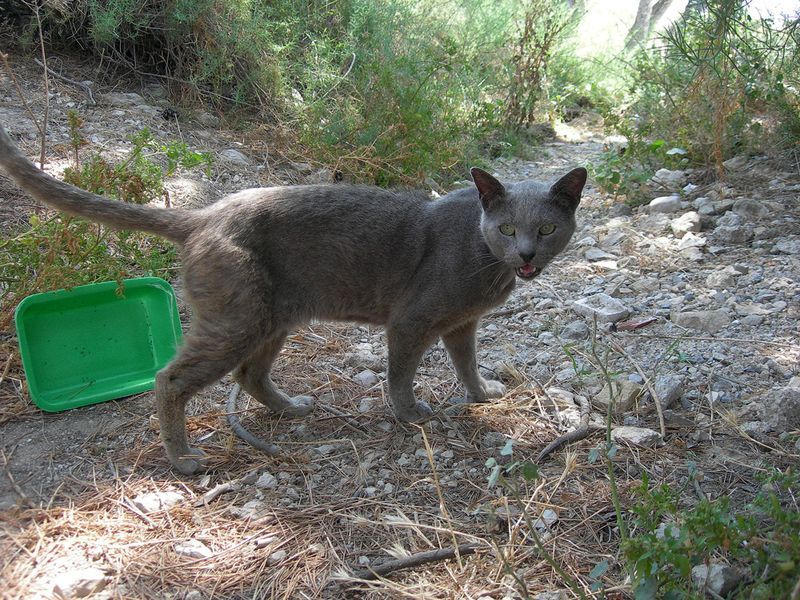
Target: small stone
[
  {"x": 547, "y": 520},
  {"x": 154, "y": 501},
  {"x": 207, "y": 120},
  {"x": 736, "y": 163},
  {"x": 750, "y": 209},
  {"x": 366, "y": 378},
  {"x": 235, "y": 157},
  {"x": 80, "y": 583},
  {"x": 638, "y": 436},
  {"x": 276, "y": 557},
  {"x": 325, "y": 449},
  {"x": 787, "y": 247},
  {"x": 687, "y": 222},
  {"x": 733, "y": 234},
  {"x": 665, "y": 530},
  {"x": 555, "y": 595},
  {"x": 365, "y": 405},
  {"x": 690, "y": 240},
  {"x": 363, "y": 561},
  {"x": 493, "y": 439},
  {"x": 595, "y": 254},
  {"x": 721, "y": 280},
  {"x": 719, "y": 578},
  {"x": 673, "y": 180},
  {"x": 193, "y": 549},
  {"x": 121, "y": 99},
  {"x": 575, "y": 331},
  {"x": 709, "y": 321},
  {"x": 606, "y": 308},
  {"x": 669, "y": 389},
  {"x": 664, "y": 204},
  {"x": 363, "y": 359},
  {"x": 752, "y": 320},
  {"x": 782, "y": 411},
  {"x": 625, "y": 393},
  {"x": 267, "y": 481},
  {"x": 250, "y": 510}
]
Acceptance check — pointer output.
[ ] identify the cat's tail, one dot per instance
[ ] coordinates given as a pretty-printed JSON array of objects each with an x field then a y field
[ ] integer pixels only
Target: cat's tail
[{"x": 172, "y": 224}]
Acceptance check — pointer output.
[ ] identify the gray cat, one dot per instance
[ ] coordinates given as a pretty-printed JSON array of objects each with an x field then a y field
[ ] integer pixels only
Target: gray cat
[{"x": 261, "y": 262}]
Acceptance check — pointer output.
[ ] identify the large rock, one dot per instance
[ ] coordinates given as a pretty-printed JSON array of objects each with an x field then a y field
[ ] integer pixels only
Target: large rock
[{"x": 709, "y": 321}]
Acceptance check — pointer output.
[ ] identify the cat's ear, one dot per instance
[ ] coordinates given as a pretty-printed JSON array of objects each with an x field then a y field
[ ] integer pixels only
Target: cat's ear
[
  {"x": 570, "y": 186},
  {"x": 489, "y": 189}
]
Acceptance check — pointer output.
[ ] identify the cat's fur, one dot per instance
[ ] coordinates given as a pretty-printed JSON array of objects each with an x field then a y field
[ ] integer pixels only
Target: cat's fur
[{"x": 261, "y": 262}]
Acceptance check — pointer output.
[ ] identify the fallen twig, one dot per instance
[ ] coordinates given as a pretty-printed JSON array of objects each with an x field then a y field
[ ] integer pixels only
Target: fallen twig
[
  {"x": 79, "y": 84},
  {"x": 416, "y": 560},
  {"x": 579, "y": 433}
]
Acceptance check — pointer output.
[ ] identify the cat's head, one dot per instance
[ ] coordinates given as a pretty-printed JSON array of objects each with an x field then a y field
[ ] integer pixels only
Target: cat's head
[{"x": 527, "y": 224}]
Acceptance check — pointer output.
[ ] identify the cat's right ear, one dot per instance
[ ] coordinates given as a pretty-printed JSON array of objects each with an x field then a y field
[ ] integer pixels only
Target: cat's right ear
[{"x": 490, "y": 190}]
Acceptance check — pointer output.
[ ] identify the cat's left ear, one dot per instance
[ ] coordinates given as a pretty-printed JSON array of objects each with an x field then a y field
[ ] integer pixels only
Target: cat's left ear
[
  {"x": 490, "y": 190},
  {"x": 570, "y": 186}
]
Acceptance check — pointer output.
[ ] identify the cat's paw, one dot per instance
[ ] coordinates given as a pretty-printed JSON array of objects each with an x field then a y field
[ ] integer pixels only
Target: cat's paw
[
  {"x": 493, "y": 389},
  {"x": 419, "y": 413},
  {"x": 195, "y": 461},
  {"x": 300, "y": 406}
]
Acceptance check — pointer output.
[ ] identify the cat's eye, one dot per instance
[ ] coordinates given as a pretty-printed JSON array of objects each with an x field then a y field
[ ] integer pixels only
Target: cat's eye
[
  {"x": 547, "y": 229},
  {"x": 507, "y": 229}
]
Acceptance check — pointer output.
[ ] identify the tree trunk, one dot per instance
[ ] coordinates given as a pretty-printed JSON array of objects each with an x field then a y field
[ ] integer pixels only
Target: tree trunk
[{"x": 647, "y": 16}]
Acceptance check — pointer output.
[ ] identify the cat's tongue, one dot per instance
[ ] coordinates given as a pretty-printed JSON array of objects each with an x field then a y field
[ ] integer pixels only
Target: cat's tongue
[{"x": 526, "y": 271}]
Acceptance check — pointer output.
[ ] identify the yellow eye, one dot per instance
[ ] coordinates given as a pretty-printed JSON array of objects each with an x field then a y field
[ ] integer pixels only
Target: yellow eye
[
  {"x": 547, "y": 229},
  {"x": 507, "y": 229}
]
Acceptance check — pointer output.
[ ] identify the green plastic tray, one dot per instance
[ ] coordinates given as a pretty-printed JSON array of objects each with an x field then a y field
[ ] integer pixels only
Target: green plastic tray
[{"x": 91, "y": 344}]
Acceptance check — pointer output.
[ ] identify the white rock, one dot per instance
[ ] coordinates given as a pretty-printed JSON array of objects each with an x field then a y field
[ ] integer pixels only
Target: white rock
[
  {"x": 193, "y": 549},
  {"x": 664, "y": 204},
  {"x": 154, "y": 501},
  {"x": 689, "y": 221},
  {"x": 235, "y": 157},
  {"x": 671, "y": 179},
  {"x": 710, "y": 321},
  {"x": 267, "y": 481},
  {"x": 719, "y": 579},
  {"x": 607, "y": 309},
  {"x": 624, "y": 395},
  {"x": 547, "y": 520},
  {"x": 276, "y": 557},
  {"x": 638, "y": 436},
  {"x": 366, "y": 378},
  {"x": 556, "y": 595},
  {"x": 690, "y": 240},
  {"x": 79, "y": 583}
]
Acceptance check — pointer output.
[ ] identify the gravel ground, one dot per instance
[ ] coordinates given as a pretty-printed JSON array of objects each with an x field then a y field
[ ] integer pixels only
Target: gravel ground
[{"x": 697, "y": 306}]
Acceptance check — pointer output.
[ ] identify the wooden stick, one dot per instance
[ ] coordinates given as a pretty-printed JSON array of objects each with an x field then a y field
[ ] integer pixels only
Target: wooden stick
[
  {"x": 416, "y": 560},
  {"x": 79, "y": 84}
]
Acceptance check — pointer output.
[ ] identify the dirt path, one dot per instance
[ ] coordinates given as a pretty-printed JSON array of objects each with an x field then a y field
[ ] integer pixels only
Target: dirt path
[{"x": 721, "y": 352}]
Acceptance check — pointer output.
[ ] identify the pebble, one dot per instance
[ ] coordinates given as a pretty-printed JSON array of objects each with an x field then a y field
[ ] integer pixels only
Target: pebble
[
  {"x": 669, "y": 389},
  {"x": 638, "y": 436},
  {"x": 276, "y": 557},
  {"x": 720, "y": 579},
  {"x": 624, "y": 395},
  {"x": 671, "y": 179},
  {"x": 606, "y": 308},
  {"x": 664, "y": 204},
  {"x": 709, "y": 321},
  {"x": 193, "y": 549},
  {"x": 366, "y": 378},
  {"x": 154, "y": 501},
  {"x": 686, "y": 223},
  {"x": 235, "y": 157},
  {"x": 575, "y": 331},
  {"x": 267, "y": 481}
]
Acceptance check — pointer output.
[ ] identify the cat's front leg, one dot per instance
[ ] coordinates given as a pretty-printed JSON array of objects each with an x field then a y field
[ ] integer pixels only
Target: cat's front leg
[
  {"x": 406, "y": 346},
  {"x": 461, "y": 346}
]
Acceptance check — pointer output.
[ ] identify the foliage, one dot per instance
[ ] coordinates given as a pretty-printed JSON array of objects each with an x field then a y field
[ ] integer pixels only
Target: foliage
[
  {"x": 718, "y": 83},
  {"x": 669, "y": 540},
  {"x": 59, "y": 251}
]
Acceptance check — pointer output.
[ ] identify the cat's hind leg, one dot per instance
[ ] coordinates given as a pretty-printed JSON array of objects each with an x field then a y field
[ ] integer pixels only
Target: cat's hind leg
[
  {"x": 461, "y": 346},
  {"x": 253, "y": 374}
]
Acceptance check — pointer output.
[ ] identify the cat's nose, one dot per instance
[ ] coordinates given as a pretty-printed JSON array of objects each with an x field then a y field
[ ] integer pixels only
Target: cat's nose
[{"x": 527, "y": 256}]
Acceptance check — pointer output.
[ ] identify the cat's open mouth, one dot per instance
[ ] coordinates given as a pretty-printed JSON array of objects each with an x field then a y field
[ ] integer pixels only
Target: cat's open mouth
[{"x": 527, "y": 271}]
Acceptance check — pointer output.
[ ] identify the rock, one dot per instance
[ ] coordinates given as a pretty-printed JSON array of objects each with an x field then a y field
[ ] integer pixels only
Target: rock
[
  {"x": 493, "y": 439},
  {"x": 669, "y": 389},
  {"x": 363, "y": 359},
  {"x": 664, "y": 204},
  {"x": 673, "y": 180},
  {"x": 121, "y": 99},
  {"x": 233, "y": 156},
  {"x": 787, "y": 247},
  {"x": 721, "y": 280},
  {"x": 193, "y": 549},
  {"x": 606, "y": 308},
  {"x": 207, "y": 120},
  {"x": 734, "y": 234},
  {"x": 690, "y": 240},
  {"x": 556, "y": 595},
  {"x": 366, "y": 378},
  {"x": 155, "y": 501},
  {"x": 750, "y": 209},
  {"x": 267, "y": 481},
  {"x": 366, "y": 405},
  {"x": 250, "y": 510},
  {"x": 276, "y": 557},
  {"x": 638, "y": 436},
  {"x": 667, "y": 529},
  {"x": 782, "y": 411},
  {"x": 709, "y": 321},
  {"x": 575, "y": 331},
  {"x": 546, "y": 521},
  {"x": 719, "y": 579},
  {"x": 624, "y": 394},
  {"x": 736, "y": 163},
  {"x": 687, "y": 222},
  {"x": 322, "y": 175},
  {"x": 595, "y": 254},
  {"x": 79, "y": 583}
]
